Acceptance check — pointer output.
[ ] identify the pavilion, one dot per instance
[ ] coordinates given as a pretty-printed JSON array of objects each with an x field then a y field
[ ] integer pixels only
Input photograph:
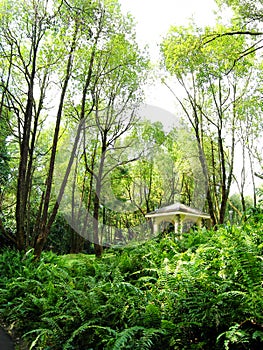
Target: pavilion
[{"x": 178, "y": 216}]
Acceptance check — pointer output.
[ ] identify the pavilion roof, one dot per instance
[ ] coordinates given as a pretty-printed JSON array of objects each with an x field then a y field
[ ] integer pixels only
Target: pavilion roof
[{"x": 175, "y": 209}]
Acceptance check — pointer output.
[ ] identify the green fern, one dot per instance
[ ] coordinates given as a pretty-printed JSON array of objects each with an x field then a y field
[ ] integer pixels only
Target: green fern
[
  {"x": 126, "y": 338},
  {"x": 42, "y": 336},
  {"x": 136, "y": 337},
  {"x": 152, "y": 316},
  {"x": 102, "y": 331},
  {"x": 149, "y": 338},
  {"x": 234, "y": 335}
]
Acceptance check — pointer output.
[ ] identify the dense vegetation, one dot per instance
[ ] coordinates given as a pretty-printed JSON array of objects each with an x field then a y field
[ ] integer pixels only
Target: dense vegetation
[
  {"x": 77, "y": 158},
  {"x": 80, "y": 167},
  {"x": 201, "y": 292}
]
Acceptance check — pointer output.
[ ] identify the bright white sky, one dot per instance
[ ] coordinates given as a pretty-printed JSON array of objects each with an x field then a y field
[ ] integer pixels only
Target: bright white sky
[{"x": 153, "y": 19}]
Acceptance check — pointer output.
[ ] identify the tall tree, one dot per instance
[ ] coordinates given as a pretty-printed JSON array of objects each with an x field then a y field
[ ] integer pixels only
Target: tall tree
[
  {"x": 108, "y": 82},
  {"x": 23, "y": 30},
  {"x": 212, "y": 89},
  {"x": 75, "y": 32},
  {"x": 55, "y": 53},
  {"x": 115, "y": 99}
]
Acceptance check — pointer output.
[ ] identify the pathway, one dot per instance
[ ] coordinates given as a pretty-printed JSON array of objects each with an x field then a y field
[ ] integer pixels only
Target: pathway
[{"x": 6, "y": 342}]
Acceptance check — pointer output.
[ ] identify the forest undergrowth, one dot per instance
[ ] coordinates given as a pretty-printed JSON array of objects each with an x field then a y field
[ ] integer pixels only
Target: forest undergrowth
[{"x": 203, "y": 291}]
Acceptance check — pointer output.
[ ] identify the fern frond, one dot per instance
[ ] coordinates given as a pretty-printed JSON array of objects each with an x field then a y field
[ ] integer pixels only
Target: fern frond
[
  {"x": 41, "y": 333},
  {"x": 150, "y": 336},
  {"x": 126, "y": 336},
  {"x": 85, "y": 327}
]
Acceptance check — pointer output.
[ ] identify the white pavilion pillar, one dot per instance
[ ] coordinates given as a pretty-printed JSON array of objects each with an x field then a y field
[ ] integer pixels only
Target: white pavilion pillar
[
  {"x": 178, "y": 224},
  {"x": 155, "y": 226}
]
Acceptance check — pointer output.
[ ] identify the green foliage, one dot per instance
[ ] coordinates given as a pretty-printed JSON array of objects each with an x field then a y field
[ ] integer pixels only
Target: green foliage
[
  {"x": 68, "y": 49},
  {"x": 59, "y": 238},
  {"x": 201, "y": 292},
  {"x": 249, "y": 11}
]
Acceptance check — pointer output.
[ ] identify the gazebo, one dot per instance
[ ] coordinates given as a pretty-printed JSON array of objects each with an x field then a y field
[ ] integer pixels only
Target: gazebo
[{"x": 177, "y": 215}]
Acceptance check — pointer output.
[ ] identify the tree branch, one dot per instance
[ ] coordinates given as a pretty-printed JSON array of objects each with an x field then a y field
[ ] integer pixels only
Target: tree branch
[
  {"x": 238, "y": 32},
  {"x": 259, "y": 175}
]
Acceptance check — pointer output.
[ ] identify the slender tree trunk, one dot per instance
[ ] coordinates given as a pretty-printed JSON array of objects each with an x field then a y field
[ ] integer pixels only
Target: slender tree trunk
[
  {"x": 25, "y": 165},
  {"x": 5, "y": 88},
  {"x": 77, "y": 241},
  {"x": 205, "y": 173},
  {"x": 97, "y": 244},
  {"x": 243, "y": 178},
  {"x": 90, "y": 170},
  {"x": 44, "y": 225},
  {"x": 22, "y": 179},
  {"x": 30, "y": 169},
  {"x": 253, "y": 178},
  {"x": 46, "y": 229},
  {"x": 226, "y": 179},
  {"x": 224, "y": 195}
]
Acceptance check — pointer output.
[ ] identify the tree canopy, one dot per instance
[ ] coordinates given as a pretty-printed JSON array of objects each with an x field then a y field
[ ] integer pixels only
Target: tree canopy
[{"x": 75, "y": 152}]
